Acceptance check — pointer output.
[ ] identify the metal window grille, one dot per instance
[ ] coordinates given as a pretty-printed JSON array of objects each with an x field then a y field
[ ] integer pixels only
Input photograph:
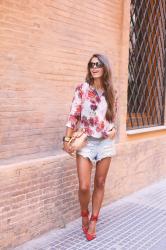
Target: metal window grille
[{"x": 147, "y": 64}]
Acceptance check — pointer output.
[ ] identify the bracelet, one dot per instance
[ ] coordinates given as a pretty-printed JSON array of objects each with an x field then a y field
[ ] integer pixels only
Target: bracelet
[{"x": 66, "y": 139}]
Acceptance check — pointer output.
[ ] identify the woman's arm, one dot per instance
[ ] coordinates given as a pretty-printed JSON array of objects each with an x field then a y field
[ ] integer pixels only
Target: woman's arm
[
  {"x": 66, "y": 139},
  {"x": 113, "y": 130},
  {"x": 75, "y": 110},
  {"x": 73, "y": 119}
]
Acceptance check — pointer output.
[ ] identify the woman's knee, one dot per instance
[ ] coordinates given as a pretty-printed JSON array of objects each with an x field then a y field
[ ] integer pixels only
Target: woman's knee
[
  {"x": 84, "y": 187},
  {"x": 100, "y": 182}
]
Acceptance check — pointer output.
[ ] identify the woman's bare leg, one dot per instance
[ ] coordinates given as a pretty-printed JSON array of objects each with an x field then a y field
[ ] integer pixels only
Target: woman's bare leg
[
  {"x": 102, "y": 168},
  {"x": 84, "y": 169}
]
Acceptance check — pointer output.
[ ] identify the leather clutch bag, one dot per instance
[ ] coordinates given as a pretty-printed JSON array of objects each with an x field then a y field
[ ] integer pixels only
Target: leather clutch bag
[{"x": 78, "y": 140}]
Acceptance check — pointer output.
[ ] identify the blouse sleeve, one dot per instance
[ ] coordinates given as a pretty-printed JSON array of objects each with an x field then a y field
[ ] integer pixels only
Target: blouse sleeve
[{"x": 75, "y": 110}]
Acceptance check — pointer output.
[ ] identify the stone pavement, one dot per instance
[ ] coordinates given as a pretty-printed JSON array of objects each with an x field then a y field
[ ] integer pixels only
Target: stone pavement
[{"x": 136, "y": 222}]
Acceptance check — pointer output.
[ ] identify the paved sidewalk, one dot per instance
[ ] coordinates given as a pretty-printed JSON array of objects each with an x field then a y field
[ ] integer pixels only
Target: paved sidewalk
[{"x": 136, "y": 222}]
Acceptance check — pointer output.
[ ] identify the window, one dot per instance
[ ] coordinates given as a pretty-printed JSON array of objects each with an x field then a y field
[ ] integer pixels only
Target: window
[{"x": 147, "y": 64}]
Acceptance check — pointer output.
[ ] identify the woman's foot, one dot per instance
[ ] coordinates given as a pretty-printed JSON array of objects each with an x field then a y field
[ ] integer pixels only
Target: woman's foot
[
  {"x": 85, "y": 221},
  {"x": 85, "y": 224},
  {"x": 92, "y": 228},
  {"x": 91, "y": 233}
]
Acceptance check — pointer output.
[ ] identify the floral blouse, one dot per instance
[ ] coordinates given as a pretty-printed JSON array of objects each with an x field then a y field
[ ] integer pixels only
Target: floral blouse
[{"x": 88, "y": 111}]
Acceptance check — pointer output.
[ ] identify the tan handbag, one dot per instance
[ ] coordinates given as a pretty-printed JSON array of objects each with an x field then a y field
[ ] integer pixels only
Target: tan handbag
[{"x": 78, "y": 140}]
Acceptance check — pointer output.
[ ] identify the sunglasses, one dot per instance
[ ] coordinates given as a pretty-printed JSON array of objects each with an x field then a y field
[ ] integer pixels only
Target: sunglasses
[{"x": 96, "y": 64}]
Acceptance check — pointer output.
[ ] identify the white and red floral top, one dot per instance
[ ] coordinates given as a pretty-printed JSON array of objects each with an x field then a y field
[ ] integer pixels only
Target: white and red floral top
[{"x": 88, "y": 111}]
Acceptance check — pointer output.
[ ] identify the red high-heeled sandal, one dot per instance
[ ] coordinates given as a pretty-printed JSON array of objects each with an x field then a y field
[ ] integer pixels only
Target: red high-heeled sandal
[
  {"x": 85, "y": 214},
  {"x": 91, "y": 236}
]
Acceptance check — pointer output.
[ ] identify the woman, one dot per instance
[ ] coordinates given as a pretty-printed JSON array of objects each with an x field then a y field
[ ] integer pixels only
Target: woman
[{"x": 93, "y": 109}]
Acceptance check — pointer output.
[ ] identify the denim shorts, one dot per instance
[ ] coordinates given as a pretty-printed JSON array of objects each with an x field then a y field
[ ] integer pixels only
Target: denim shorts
[{"x": 98, "y": 148}]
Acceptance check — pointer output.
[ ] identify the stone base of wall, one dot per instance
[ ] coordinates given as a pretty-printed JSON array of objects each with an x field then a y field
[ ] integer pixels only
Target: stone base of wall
[{"x": 39, "y": 195}]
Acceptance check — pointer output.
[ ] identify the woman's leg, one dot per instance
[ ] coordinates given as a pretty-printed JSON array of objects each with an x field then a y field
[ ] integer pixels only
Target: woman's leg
[
  {"x": 102, "y": 168},
  {"x": 84, "y": 169}
]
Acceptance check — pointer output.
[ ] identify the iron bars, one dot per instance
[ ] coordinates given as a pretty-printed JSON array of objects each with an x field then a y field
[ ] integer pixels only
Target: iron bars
[{"x": 147, "y": 64}]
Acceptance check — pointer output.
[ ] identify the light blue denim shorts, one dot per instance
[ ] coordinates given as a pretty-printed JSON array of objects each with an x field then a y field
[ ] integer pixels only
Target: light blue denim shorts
[{"x": 98, "y": 148}]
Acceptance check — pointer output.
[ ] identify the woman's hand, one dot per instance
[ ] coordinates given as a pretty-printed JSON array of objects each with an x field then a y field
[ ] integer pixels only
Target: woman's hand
[
  {"x": 68, "y": 148},
  {"x": 112, "y": 134}
]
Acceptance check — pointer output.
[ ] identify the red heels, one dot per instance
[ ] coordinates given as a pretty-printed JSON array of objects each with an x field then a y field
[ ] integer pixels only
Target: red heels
[
  {"x": 91, "y": 236},
  {"x": 85, "y": 214}
]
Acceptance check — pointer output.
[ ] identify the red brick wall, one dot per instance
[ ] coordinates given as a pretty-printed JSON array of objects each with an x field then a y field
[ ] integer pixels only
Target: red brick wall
[
  {"x": 36, "y": 196},
  {"x": 45, "y": 46}
]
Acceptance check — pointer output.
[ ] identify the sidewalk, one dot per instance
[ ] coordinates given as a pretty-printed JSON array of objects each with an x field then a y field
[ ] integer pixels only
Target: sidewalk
[{"x": 136, "y": 222}]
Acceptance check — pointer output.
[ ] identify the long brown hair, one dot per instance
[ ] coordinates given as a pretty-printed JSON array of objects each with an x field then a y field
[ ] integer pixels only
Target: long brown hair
[{"x": 107, "y": 84}]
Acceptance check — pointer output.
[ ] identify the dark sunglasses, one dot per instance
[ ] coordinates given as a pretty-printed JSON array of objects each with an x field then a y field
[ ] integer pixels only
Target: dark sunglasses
[{"x": 96, "y": 64}]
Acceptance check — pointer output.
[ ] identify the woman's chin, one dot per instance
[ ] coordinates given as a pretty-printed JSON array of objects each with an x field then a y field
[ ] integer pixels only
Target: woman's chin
[{"x": 96, "y": 76}]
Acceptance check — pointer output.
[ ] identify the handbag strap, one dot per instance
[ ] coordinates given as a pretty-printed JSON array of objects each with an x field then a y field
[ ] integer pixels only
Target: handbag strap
[{"x": 74, "y": 137}]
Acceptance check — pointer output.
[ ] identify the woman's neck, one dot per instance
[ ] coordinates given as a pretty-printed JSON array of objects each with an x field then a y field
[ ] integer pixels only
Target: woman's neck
[{"x": 97, "y": 83}]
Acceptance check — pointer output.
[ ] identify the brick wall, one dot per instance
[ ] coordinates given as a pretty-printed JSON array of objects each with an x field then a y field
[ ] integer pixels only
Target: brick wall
[
  {"x": 36, "y": 196},
  {"x": 45, "y": 46}
]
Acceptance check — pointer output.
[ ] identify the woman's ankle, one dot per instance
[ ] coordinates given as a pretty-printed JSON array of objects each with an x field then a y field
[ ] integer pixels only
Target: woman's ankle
[
  {"x": 85, "y": 221},
  {"x": 92, "y": 227}
]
